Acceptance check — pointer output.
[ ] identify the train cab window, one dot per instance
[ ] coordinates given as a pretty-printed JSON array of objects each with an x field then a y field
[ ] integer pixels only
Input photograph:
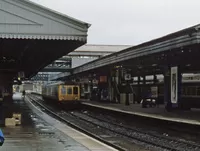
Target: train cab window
[
  {"x": 63, "y": 90},
  {"x": 69, "y": 90},
  {"x": 75, "y": 90}
]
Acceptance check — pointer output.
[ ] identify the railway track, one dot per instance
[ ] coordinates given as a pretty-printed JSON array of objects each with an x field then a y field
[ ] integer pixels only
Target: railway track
[
  {"x": 159, "y": 141},
  {"x": 156, "y": 140},
  {"x": 71, "y": 124}
]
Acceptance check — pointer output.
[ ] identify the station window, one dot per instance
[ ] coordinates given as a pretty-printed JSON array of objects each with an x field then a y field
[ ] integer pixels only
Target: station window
[
  {"x": 75, "y": 90},
  {"x": 69, "y": 90}
]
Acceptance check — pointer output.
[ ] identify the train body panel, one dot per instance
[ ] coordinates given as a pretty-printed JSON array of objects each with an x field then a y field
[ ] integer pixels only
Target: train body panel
[
  {"x": 190, "y": 93},
  {"x": 68, "y": 93}
]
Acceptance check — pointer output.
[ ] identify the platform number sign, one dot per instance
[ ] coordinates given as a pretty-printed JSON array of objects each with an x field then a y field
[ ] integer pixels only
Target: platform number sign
[
  {"x": 174, "y": 85},
  {"x": 127, "y": 77}
]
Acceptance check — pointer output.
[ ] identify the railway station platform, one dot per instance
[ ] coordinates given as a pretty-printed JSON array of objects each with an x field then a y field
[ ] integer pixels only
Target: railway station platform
[
  {"x": 40, "y": 132},
  {"x": 191, "y": 117}
]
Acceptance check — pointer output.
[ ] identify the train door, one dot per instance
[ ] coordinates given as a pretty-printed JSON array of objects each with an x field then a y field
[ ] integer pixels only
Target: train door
[
  {"x": 62, "y": 93},
  {"x": 69, "y": 93},
  {"x": 76, "y": 93}
]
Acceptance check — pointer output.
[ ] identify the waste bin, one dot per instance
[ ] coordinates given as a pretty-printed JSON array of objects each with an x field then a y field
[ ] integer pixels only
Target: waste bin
[{"x": 122, "y": 98}]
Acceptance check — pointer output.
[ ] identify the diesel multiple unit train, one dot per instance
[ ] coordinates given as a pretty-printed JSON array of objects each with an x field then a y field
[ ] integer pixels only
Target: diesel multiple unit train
[{"x": 61, "y": 93}]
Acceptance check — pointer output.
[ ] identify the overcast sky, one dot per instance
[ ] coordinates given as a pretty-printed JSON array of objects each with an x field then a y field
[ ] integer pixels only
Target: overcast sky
[{"x": 129, "y": 21}]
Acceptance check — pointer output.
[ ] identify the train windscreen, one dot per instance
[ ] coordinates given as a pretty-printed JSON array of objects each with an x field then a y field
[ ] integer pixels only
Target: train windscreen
[{"x": 69, "y": 90}]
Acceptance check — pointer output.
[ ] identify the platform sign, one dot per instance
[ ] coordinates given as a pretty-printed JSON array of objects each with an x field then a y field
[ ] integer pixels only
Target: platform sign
[
  {"x": 174, "y": 85},
  {"x": 154, "y": 92},
  {"x": 127, "y": 77}
]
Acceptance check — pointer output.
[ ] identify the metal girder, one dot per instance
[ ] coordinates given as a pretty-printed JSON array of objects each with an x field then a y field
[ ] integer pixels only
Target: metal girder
[
  {"x": 60, "y": 65},
  {"x": 56, "y": 69},
  {"x": 40, "y": 77},
  {"x": 59, "y": 76}
]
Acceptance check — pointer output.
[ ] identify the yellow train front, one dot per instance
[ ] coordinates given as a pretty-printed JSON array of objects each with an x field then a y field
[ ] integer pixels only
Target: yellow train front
[{"x": 61, "y": 93}]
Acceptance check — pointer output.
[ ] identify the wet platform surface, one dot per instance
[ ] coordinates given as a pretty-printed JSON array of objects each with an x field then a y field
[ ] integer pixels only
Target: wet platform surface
[
  {"x": 35, "y": 134},
  {"x": 191, "y": 116}
]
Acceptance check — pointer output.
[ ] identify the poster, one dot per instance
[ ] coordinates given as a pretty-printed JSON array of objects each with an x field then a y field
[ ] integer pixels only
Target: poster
[
  {"x": 174, "y": 85},
  {"x": 103, "y": 79}
]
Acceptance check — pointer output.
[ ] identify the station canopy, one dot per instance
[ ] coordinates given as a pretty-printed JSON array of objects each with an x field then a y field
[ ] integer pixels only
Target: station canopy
[{"x": 32, "y": 36}]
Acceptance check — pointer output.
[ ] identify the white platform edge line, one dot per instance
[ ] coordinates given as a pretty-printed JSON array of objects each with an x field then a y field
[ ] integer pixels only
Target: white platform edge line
[{"x": 77, "y": 131}]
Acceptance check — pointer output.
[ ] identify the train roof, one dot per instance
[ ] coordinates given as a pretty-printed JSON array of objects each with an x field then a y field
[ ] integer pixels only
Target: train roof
[{"x": 60, "y": 83}]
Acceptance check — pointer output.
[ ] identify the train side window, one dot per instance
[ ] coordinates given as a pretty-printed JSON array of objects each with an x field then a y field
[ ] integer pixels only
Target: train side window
[
  {"x": 185, "y": 90},
  {"x": 198, "y": 91},
  {"x": 189, "y": 92},
  {"x": 75, "y": 90},
  {"x": 193, "y": 91},
  {"x": 69, "y": 90}
]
